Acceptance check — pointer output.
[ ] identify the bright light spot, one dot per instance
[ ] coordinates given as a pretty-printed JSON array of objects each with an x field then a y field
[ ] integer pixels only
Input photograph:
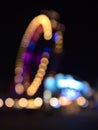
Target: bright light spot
[
  {"x": 40, "y": 73},
  {"x": 81, "y": 101},
  {"x": 54, "y": 102},
  {"x": 71, "y": 83},
  {"x": 1, "y": 102},
  {"x": 33, "y": 88},
  {"x": 64, "y": 101},
  {"x": 31, "y": 45},
  {"x": 23, "y": 102},
  {"x": 56, "y": 36},
  {"x": 34, "y": 24},
  {"x": 43, "y": 66},
  {"x": 70, "y": 93},
  {"x": 9, "y": 102},
  {"x": 19, "y": 89},
  {"x": 49, "y": 83},
  {"x": 45, "y": 60},
  {"x": 38, "y": 102}
]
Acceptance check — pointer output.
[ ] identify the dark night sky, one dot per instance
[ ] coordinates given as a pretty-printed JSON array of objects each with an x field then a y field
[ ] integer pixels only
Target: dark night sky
[{"x": 80, "y": 37}]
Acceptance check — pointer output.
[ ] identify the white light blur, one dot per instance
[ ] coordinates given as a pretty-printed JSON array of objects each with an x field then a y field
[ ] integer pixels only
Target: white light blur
[
  {"x": 47, "y": 96},
  {"x": 54, "y": 102},
  {"x": 71, "y": 94},
  {"x": 71, "y": 83}
]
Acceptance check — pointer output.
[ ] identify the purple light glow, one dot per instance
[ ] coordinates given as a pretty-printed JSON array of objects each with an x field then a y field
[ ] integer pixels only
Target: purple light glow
[{"x": 26, "y": 56}]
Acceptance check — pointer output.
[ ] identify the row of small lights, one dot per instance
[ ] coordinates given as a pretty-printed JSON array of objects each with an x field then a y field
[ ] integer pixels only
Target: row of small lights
[
  {"x": 37, "y": 103},
  {"x": 22, "y": 103}
]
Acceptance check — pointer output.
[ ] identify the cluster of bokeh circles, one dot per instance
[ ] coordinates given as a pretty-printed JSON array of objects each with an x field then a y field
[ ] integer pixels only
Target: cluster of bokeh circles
[{"x": 42, "y": 43}]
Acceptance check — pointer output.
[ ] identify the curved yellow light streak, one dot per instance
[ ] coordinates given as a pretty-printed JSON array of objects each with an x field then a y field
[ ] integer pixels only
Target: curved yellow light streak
[{"x": 38, "y": 20}]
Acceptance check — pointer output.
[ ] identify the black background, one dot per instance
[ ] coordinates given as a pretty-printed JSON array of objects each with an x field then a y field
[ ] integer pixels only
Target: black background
[{"x": 80, "y": 37}]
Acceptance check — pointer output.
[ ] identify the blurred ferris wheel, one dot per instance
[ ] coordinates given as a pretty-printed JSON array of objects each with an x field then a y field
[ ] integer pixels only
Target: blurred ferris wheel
[
  {"x": 38, "y": 60},
  {"x": 42, "y": 42}
]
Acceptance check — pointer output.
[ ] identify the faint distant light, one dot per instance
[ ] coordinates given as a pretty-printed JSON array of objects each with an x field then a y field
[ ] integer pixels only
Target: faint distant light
[
  {"x": 81, "y": 101},
  {"x": 38, "y": 102},
  {"x": 19, "y": 89},
  {"x": 23, "y": 102},
  {"x": 73, "y": 108},
  {"x": 40, "y": 73},
  {"x": 56, "y": 37},
  {"x": 54, "y": 102},
  {"x": 54, "y": 24},
  {"x": 52, "y": 14},
  {"x": 1, "y": 102},
  {"x": 18, "y": 70},
  {"x": 30, "y": 91},
  {"x": 96, "y": 95},
  {"x": 9, "y": 102},
  {"x": 64, "y": 101},
  {"x": 46, "y": 52},
  {"x": 86, "y": 104},
  {"x": 47, "y": 95},
  {"x": 87, "y": 89},
  {"x": 31, "y": 46},
  {"x": 18, "y": 78}
]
